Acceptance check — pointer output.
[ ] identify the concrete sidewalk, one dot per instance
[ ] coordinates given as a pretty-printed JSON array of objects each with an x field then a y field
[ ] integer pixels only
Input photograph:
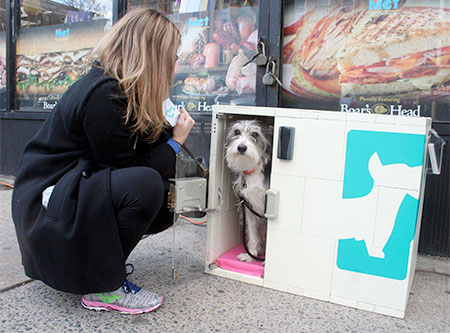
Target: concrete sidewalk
[{"x": 198, "y": 302}]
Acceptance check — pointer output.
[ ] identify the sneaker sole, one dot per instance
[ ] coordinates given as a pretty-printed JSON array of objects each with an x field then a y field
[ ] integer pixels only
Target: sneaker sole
[{"x": 100, "y": 306}]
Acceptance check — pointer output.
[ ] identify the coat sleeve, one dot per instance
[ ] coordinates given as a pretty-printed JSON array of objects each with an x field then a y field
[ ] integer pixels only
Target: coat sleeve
[{"x": 111, "y": 142}]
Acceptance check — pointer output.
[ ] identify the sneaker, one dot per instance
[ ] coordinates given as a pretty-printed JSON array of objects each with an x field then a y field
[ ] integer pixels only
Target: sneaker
[{"x": 128, "y": 299}]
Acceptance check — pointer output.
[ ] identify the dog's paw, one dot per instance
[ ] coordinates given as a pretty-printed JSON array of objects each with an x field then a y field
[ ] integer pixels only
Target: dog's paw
[{"x": 245, "y": 257}]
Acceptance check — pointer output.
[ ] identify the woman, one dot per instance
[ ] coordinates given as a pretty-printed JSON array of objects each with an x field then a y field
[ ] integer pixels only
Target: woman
[{"x": 103, "y": 158}]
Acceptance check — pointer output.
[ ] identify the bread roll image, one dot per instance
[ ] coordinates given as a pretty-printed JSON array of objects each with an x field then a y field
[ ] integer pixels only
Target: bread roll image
[
  {"x": 351, "y": 51},
  {"x": 405, "y": 52},
  {"x": 51, "y": 58}
]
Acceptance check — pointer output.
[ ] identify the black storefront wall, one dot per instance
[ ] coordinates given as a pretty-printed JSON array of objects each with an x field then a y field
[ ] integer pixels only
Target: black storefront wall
[
  {"x": 18, "y": 127},
  {"x": 435, "y": 229}
]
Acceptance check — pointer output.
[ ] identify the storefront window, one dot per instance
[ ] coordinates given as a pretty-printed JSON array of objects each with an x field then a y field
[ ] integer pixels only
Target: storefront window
[
  {"x": 218, "y": 39},
  {"x": 2, "y": 56},
  {"x": 384, "y": 57},
  {"x": 53, "y": 47}
]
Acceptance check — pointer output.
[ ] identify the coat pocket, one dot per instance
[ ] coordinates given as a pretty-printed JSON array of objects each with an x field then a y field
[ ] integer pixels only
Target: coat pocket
[{"x": 63, "y": 201}]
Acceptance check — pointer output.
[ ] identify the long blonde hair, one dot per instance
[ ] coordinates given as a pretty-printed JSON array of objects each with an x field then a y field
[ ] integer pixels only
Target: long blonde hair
[{"x": 140, "y": 52}]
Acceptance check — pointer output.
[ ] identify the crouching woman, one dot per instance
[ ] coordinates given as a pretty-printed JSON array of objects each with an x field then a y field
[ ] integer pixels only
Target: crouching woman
[{"x": 92, "y": 181}]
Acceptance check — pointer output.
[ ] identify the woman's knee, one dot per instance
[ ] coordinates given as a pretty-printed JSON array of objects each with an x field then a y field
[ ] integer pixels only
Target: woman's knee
[{"x": 138, "y": 187}]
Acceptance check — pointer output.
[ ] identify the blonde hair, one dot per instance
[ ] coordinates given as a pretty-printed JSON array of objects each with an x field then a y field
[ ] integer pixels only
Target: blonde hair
[{"x": 140, "y": 52}]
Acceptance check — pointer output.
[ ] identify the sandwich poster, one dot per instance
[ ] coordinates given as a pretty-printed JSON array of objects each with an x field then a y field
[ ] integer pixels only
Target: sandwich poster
[
  {"x": 51, "y": 58},
  {"x": 368, "y": 56}
]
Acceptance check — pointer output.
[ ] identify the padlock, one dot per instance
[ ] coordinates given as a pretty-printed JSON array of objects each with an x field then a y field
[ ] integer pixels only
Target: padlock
[
  {"x": 272, "y": 63},
  {"x": 268, "y": 79},
  {"x": 261, "y": 58}
]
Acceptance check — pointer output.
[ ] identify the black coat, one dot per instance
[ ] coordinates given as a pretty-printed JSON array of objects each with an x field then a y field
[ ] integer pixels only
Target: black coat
[{"x": 74, "y": 245}]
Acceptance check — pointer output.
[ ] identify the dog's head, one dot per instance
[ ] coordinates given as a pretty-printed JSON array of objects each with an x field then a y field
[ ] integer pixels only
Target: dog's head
[{"x": 247, "y": 144}]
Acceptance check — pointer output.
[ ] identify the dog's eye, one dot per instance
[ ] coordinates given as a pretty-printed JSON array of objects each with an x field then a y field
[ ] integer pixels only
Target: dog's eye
[
  {"x": 255, "y": 134},
  {"x": 237, "y": 132}
]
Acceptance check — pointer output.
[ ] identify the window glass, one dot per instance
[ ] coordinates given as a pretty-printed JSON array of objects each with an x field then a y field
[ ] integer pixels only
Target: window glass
[
  {"x": 2, "y": 56},
  {"x": 384, "y": 57},
  {"x": 218, "y": 38},
  {"x": 53, "y": 47}
]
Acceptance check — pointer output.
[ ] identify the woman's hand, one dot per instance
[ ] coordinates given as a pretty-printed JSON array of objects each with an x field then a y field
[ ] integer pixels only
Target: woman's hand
[{"x": 182, "y": 127}]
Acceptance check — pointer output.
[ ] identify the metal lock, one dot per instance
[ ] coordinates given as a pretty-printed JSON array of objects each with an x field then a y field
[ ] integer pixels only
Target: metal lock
[
  {"x": 260, "y": 58},
  {"x": 269, "y": 78}
]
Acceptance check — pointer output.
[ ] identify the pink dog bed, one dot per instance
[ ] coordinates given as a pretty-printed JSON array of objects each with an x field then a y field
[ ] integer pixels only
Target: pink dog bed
[{"x": 230, "y": 262}]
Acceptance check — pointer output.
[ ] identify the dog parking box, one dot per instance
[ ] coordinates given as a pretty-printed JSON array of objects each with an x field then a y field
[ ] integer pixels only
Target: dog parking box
[{"x": 348, "y": 206}]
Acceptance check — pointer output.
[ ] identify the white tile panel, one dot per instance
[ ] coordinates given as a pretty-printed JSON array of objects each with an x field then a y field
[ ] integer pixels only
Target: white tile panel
[
  {"x": 398, "y": 175},
  {"x": 326, "y": 214},
  {"x": 370, "y": 289},
  {"x": 411, "y": 121},
  {"x": 371, "y": 126},
  {"x": 244, "y": 110},
  {"x": 290, "y": 260},
  {"x": 275, "y": 286},
  {"x": 384, "y": 119},
  {"x": 390, "y": 312},
  {"x": 317, "y": 145},
  {"x": 332, "y": 115},
  {"x": 343, "y": 301},
  {"x": 365, "y": 306},
  {"x": 309, "y": 114},
  {"x": 361, "y": 117},
  {"x": 389, "y": 202},
  {"x": 317, "y": 295},
  {"x": 290, "y": 204},
  {"x": 297, "y": 291},
  {"x": 251, "y": 279},
  {"x": 289, "y": 113}
]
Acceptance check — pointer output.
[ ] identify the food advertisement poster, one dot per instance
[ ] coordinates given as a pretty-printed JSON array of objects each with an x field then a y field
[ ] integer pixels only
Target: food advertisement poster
[
  {"x": 51, "y": 58},
  {"x": 368, "y": 56},
  {"x": 215, "y": 46}
]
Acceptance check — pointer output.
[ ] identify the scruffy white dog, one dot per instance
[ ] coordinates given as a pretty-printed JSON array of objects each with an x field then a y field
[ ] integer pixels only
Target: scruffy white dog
[{"x": 247, "y": 152}]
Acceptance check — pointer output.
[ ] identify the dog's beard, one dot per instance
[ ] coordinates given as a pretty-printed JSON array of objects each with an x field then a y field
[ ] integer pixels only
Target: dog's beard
[{"x": 239, "y": 162}]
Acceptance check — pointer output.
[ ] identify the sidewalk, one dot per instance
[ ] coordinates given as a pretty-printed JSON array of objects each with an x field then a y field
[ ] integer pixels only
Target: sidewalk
[{"x": 198, "y": 302}]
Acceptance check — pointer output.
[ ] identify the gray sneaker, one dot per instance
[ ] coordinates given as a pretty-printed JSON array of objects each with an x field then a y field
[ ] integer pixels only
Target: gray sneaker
[{"x": 128, "y": 299}]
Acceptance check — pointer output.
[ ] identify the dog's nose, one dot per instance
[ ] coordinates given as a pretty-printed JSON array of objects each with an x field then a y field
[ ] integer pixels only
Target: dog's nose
[{"x": 242, "y": 148}]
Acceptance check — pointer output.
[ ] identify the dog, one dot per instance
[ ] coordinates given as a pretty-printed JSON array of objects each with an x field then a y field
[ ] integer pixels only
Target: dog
[{"x": 248, "y": 153}]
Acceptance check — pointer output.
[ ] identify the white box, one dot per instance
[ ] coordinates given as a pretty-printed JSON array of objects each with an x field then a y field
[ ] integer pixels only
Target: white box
[{"x": 349, "y": 206}]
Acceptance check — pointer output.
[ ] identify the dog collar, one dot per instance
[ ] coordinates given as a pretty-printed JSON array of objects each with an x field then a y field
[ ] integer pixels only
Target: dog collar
[{"x": 249, "y": 172}]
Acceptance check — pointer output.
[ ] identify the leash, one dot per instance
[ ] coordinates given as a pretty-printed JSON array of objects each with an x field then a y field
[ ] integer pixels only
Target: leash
[
  {"x": 197, "y": 163},
  {"x": 244, "y": 203}
]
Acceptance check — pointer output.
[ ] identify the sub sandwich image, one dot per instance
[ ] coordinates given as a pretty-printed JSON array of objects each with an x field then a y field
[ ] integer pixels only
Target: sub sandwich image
[
  {"x": 49, "y": 65},
  {"x": 353, "y": 51},
  {"x": 403, "y": 53},
  {"x": 50, "y": 73}
]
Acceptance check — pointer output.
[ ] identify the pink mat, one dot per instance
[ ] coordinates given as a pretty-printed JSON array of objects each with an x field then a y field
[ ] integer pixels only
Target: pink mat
[{"x": 230, "y": 262}]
